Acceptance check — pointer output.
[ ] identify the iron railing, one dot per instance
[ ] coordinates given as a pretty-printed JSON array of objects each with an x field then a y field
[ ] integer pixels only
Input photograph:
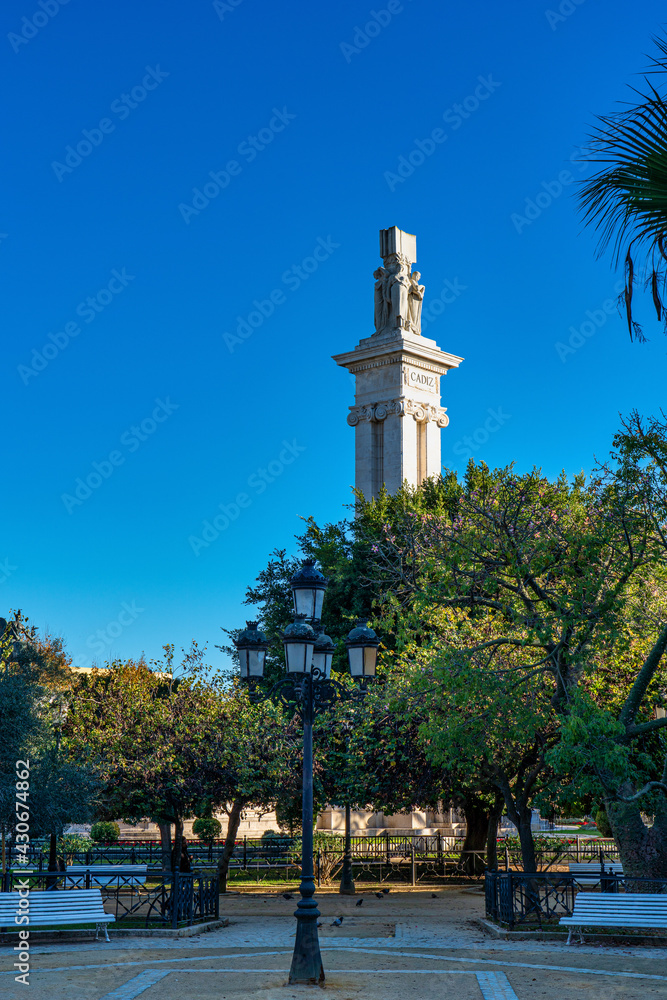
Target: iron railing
[
  {"x": 384, "y": 858},
  {"x": 174, "y": 899}
]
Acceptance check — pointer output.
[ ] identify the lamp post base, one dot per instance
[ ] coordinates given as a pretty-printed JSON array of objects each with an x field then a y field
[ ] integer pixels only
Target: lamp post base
[{"x": 307, "y": 969}]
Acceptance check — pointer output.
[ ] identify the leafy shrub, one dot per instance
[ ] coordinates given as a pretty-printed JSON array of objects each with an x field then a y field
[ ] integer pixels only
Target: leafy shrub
[
  {"x": 105, "y": 832},
  {"x": 602, "y": 822},
  {"x": 207, "y": 829},
  {"x": 69, "y": 845}
]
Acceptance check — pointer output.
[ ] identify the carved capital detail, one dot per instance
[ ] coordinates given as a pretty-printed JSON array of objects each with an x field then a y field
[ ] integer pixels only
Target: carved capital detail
[{"x": 402, "y": 407}]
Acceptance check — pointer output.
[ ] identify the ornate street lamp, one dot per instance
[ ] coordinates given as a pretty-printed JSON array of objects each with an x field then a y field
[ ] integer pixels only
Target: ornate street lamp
[
  {"x": 308, "y": 688},
  {"x": 308, "y": 586},
  {"x": 252, "y": 647},
  {"x": 362, "y": 650}
]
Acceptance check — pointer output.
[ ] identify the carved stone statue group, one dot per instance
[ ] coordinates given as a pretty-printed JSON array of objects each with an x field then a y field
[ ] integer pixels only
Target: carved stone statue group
[{"x": 398, "y": 296}]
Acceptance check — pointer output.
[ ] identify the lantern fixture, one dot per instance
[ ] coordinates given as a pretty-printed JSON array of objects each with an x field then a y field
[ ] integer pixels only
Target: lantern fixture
[
  {"x": 299, "y": 640},
  {"x": 323, "y": 652},
  {"x": 308, "y": 586},
  {"x": 362, "y": 648},
  {"x": 252, "y": 646}
]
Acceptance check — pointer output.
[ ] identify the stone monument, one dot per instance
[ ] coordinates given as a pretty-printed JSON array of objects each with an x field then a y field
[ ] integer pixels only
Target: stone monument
[{"x": 397, "y": 415}]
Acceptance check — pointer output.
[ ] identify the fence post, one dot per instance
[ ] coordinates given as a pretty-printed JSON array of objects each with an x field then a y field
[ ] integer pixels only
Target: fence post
[
  {"x": 245, "y": 853},
  {"x": 388, "y": 855},
  {"x": 578, "y": 849},
  {"x": 174, "y": 899},
  {"x": 319, "y": 868},
  {"x": 412, "y": 859}
]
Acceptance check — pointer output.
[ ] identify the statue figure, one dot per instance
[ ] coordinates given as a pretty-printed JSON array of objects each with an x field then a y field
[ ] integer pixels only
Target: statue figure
[
  {"x": 392, "y": 288},
  {"x": 381, "y": 305},
  {"x": 398, "y": 296},
  {"x": 415, "y": 302}
]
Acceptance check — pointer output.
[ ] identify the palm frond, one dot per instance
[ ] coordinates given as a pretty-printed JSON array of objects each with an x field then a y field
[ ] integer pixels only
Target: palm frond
[{"x": 626, "y": 200}]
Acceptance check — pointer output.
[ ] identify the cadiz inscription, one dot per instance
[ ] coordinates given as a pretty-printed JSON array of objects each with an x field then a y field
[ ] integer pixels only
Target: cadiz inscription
[{"x": 422, "y": 380}]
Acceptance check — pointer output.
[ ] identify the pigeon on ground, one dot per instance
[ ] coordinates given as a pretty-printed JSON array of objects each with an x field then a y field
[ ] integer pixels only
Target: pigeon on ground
[
  {"x": 337, "y": 922},
  {"x": 434, "y": 895},
  {"x": 288, "y": 895},
  {"x": 359, "y": 902},
  {"x": 386, "y": 891},
  {"x": 380, "y": 895}
]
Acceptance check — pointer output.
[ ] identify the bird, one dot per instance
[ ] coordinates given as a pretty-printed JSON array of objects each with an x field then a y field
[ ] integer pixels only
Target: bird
[
  {"x": 380, "y": 895},
  {"x": 386, "y": 891},
  {"x": 288, "y": 895},
  {"x": 337, "y": 922},
  {"x": 434, "y": 895},
  {"x": 359, "y": 902}
]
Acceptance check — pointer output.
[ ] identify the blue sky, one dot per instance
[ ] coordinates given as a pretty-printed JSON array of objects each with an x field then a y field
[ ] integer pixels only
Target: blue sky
[{"x": 168, "y": 167}]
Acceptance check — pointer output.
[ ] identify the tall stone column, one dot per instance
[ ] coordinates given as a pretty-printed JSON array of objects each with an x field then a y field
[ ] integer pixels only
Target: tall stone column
[{"x": 397, "y": 414}]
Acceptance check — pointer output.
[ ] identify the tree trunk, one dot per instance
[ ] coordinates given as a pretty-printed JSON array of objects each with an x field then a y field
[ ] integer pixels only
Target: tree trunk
[
  {"x": 477, "y": 825},
  {"x": 495, "y": 813},
  {"x": 643, "y": 849},
  {"x": 227, "y": 851},
  {"x": 178, "y": 844},
  {"x": 165, "y": 843},
  {"x": 525, "y": 814}
]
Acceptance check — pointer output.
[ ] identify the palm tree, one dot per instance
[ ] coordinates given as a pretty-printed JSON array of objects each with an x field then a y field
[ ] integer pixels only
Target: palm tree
[{"x": 626, "y": 201}]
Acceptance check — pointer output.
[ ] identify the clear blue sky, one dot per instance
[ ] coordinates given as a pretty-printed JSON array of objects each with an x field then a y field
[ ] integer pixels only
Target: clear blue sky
[{"x": 304, "y": 121}]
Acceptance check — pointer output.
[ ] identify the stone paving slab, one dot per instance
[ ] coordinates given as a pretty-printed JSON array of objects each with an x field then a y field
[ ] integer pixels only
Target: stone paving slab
[
  {"x": 436, "y": 953},
  {"x": 374, "y": 972}
]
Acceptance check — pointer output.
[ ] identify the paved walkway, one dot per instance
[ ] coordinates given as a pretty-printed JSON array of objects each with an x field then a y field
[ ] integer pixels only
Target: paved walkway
[{"x": 403, "y": 946}]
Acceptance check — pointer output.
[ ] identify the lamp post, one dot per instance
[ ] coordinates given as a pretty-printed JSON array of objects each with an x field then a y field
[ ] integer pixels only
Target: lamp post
[{"x": 307, "y": 688}]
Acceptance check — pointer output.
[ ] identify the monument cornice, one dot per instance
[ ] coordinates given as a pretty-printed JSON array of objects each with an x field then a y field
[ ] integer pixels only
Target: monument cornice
[{"x": 413, "y": 350}]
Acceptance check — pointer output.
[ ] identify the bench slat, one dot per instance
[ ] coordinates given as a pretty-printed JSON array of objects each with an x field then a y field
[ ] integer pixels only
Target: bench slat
[{"x": 79, "y": 906}]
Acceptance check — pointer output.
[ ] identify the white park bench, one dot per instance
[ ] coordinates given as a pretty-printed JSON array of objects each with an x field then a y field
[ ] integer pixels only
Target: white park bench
[
  {"x": 588, "y": 873},
  {"x": 53, "y": 909},
  {"x": 100, "y": 875},
  {"x": 613, "y": 909},
  {"x": 107, "y": 875}
]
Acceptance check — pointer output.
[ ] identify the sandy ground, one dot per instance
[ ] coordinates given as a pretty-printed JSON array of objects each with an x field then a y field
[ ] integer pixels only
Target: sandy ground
[{"x": 402, "y": 946}]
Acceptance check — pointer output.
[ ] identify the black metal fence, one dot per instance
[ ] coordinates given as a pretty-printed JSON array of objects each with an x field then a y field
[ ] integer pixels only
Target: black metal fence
[
  {"x": 174, "y": 899},
  {"x": 401, "y": 859},
  {"x": 519, "y": 898}
]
